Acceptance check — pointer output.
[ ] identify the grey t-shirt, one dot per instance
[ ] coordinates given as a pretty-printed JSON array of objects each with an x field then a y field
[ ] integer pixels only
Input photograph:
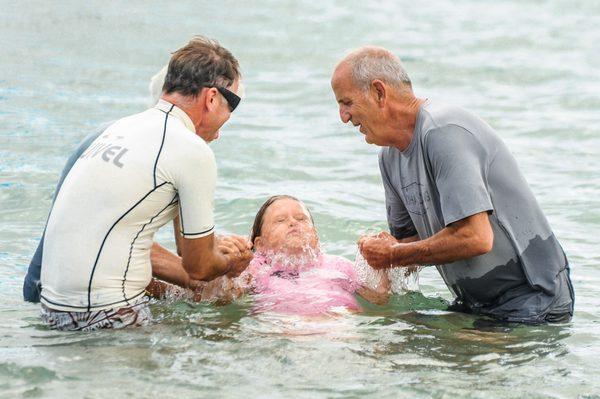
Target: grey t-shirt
[{"x": 456, "y": 166}]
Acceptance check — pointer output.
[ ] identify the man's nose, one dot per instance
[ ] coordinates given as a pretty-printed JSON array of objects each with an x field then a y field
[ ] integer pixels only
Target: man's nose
[{"x": 344, "y": 114}]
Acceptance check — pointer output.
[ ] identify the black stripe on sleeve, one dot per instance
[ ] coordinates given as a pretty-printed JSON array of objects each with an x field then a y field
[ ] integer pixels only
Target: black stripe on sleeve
[
  {"x": 194, "y": 234},
  {"x": 181, "y": 228}
]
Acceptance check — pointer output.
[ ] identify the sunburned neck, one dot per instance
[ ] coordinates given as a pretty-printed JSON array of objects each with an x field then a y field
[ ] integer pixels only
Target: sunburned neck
[
  {"x": 404, "y": 117},
  {"x": 186, "y": 104}
]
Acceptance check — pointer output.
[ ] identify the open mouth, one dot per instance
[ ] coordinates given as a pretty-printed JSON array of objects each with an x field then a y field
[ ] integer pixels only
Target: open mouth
[{"x": 360, "y": 127}]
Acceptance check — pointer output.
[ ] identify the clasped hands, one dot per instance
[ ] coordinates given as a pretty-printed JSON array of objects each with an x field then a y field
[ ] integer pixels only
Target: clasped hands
[{"x": 378, "y": 250}]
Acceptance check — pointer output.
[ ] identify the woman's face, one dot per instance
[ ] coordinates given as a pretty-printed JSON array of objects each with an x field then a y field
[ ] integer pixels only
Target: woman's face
[{"x": 287, "y": 228}]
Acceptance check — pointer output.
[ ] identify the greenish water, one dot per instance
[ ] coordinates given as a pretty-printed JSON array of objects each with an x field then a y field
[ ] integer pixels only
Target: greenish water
[{"x": 530, "y": 68}]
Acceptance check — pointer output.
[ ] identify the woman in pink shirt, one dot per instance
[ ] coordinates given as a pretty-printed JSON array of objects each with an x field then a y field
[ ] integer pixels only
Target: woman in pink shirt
[{"x": 289, "y": 273}]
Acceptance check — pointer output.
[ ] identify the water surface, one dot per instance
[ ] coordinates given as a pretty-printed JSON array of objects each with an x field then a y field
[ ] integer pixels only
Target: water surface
[{"x": 530, "y": 68}]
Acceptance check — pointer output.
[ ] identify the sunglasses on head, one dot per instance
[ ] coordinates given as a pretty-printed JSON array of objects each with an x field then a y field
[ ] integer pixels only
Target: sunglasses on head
[{"x": 232, "y": 99}]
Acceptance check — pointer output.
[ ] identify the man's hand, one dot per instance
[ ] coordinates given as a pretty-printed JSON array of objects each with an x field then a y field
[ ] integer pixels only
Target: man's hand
[
  {"x": 237, "y": 249},
  {"x": 377, "y": 250}
]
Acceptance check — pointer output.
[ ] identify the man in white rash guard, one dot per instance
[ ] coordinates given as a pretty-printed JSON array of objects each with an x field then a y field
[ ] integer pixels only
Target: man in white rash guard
[{"x": 136, "y": 175}]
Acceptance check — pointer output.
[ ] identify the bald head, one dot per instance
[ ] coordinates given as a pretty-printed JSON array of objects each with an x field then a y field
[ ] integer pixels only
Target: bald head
[{"x": 368, "y": 63}]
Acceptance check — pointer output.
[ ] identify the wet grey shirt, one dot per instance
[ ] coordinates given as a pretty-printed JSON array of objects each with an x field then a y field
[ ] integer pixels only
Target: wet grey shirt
[{"x": 456, "y": 166}]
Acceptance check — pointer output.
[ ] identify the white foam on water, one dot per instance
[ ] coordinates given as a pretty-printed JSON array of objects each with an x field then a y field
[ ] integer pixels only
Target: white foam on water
[{"x": 402, "y": 279}]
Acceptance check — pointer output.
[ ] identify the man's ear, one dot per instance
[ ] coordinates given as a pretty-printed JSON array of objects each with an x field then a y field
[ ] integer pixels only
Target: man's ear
[
  {"x": 378, "y": 89},
  {"x": 210, "y": 100}
]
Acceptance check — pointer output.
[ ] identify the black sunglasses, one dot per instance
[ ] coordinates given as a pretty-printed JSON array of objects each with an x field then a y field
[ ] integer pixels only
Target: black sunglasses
[{"x": 232, "y": 99}]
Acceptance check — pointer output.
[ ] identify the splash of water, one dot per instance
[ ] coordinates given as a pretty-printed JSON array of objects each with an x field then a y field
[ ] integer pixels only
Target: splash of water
[
  {"x": 174, "y": 293},
  {"x": 367, "y": 276},
  {"x": 291, "y": 261},
  {"x": 402, "y": 279}
]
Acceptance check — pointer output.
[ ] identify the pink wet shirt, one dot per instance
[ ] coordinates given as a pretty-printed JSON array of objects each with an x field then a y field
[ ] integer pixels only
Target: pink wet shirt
[{"x": 324, "y": 286}]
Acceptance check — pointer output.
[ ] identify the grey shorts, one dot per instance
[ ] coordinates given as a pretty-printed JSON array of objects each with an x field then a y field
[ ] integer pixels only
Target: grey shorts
[{"x": 137, "y": 314}]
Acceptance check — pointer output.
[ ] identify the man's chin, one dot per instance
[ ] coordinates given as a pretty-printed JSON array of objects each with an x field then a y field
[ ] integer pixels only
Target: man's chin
[
  {"x": 208, "y": 135},
  {"x": 213, "y": 137}
]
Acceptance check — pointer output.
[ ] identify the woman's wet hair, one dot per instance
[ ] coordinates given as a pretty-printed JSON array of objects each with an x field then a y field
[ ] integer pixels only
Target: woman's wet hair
[{"x": 260, "y": 215}]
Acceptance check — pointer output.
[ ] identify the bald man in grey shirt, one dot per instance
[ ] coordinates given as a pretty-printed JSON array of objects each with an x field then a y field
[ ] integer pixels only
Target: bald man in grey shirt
[
  {"x": 455, "y": 198},
  {"x": 455, "y": 167}
]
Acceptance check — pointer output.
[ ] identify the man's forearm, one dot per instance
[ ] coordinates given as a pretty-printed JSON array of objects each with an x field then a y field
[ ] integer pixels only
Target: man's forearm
[
  {"x": 167, "y": 266},
  {"x": 461, "y": 240},
  {"x": 431, "y": 251},
  {"x": 218, "y": 266}
]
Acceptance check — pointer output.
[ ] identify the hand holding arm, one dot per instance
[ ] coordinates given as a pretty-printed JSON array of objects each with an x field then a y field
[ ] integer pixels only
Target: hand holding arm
[
  {"x": 205, "y": 259},
  {"x": 168, "y": 267},
  {"x": 238, "y": 249}
]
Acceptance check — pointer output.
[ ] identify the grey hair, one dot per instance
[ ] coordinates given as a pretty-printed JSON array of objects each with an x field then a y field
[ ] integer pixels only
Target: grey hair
[{"x": 371, "y": 62}]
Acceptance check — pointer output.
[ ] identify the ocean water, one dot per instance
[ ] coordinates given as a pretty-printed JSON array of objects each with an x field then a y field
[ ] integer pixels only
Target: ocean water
[{"x": 530, "y": 68}]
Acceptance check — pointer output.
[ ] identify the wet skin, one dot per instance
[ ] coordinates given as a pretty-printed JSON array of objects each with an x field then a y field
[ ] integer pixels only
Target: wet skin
[{"x": 287, "y": 227}]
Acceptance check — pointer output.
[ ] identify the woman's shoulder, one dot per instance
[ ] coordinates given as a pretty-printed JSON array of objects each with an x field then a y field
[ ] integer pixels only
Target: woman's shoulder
[{"x": 344, "y": 267}]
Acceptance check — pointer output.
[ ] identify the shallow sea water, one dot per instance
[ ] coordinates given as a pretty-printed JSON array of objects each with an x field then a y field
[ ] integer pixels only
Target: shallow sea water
[{"x": 530, "y": 68}]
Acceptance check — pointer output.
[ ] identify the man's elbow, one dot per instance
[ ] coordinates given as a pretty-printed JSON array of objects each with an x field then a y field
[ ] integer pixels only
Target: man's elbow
[
  {"x": 477, "y": 235},
  {"x": 482, "y": 244}
]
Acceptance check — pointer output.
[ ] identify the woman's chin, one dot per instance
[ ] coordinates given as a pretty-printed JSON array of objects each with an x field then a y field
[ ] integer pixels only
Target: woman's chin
[{"x": 297, "y": 247}]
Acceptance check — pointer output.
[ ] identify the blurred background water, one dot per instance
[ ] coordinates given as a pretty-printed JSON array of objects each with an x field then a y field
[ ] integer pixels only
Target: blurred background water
[{"x": 530, "y": 68}]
